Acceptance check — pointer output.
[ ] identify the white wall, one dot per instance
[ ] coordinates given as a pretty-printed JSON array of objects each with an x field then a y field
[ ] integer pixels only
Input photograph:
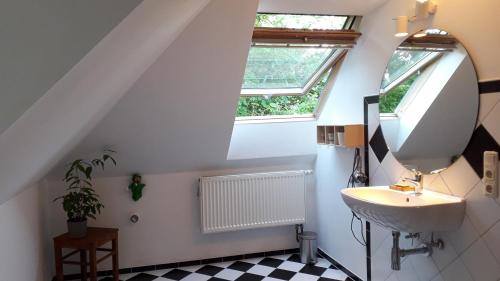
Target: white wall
[
  {"x": 179, "y": 115},
  {"x": 360, "y": 76},
  {"x": 265, "y": 140},
  {"x": 22, "y": 238},
  {"x": 169, "y": 227}
]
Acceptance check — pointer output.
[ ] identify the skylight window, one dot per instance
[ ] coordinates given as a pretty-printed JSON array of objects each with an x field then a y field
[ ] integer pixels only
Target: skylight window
[
  {"x": 400, "y": 63},
  {"x": 402, "y": 71},
  {"x": 274, "y": 68},
  {"x": 288, "y": 63},
  {"x": 300, "y": 21}
]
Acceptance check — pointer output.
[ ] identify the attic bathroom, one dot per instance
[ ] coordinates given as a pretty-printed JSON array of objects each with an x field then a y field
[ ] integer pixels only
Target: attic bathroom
[{"x": 249, "y": 140}]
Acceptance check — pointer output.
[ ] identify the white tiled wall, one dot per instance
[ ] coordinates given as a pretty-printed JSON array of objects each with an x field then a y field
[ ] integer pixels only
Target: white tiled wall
[{"x": 472, "y": 252}]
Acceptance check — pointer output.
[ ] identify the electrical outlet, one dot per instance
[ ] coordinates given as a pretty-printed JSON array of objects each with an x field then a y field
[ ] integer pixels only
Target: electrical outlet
[{"x": 490, "y": 173}]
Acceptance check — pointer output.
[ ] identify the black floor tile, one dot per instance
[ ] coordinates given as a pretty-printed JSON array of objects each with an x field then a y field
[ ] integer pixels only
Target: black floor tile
[
  {"x": 313, "y": 270},
  {"x": 282, "y": 274},
  {"x": 176, "y": 274},
  {"x": 241, "y": 266},
  {"x": 249, "y": 277},
  {"x": 294, "y": 258},
  {"x": 333, "y": 267},
  {"x": 216, "y": 279},
  {"x": 143, "y": 277},
  {"x": 209, "y": 270},
  {"x": 271, "y": 262}
]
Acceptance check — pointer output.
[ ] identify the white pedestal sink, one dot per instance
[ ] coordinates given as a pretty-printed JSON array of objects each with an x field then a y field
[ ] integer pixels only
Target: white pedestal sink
[{"x": 406, "y": 211}]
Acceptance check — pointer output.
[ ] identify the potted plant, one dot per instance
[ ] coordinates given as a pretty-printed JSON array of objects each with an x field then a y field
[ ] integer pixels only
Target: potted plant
[{"x": 81, "y": 201}]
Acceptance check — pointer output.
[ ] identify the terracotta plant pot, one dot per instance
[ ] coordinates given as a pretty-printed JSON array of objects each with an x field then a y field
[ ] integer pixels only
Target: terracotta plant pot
[{"x": 77, "y": 229}]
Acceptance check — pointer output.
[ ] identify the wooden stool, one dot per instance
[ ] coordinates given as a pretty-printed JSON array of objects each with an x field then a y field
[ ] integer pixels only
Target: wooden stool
[{"x": 96, "y": 237}]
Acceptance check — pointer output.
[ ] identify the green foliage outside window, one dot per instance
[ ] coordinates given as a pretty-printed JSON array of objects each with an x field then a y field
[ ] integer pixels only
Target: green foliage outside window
[
  {"x": 391, "y": 100},
  {"x": 281, "y": 105}
]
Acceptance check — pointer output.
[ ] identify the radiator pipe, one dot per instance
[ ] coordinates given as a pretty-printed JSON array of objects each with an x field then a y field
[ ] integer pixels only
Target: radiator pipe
[{"x": 299, "y": 229}]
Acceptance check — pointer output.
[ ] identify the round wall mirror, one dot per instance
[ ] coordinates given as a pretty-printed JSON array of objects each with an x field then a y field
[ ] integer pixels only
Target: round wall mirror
[{"x": 428, "y": 101}]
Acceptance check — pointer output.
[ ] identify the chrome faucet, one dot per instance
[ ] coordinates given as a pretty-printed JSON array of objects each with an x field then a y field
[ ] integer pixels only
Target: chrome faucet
[{"x": 418, "y": 181}]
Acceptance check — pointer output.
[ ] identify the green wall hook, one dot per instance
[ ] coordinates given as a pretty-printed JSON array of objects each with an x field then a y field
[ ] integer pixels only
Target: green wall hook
[{"x": 136, "y": 187}]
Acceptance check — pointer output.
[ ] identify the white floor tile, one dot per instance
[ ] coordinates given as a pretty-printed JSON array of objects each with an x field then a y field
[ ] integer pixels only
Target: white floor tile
[
  {"x": 322, "y": 263},
  {"x": 334, "y": 274},
  {"x": 282, "y": 257},
  {"x": 293, "y": 266},
  {"x": 192, "y": 268},
  {"x": 196, "y": 277},
  {"x": 254, "y": 260},
  {"x": 161, "y": 279},
  {"x": 160, "y": 272},
  {"x": 229, "y": 274},
  {"x": 304, "y": 277},
  {"x": 261, "y": 270},
  {"x": 480, "y": 262},
  {"x": 271, "y": 279}
]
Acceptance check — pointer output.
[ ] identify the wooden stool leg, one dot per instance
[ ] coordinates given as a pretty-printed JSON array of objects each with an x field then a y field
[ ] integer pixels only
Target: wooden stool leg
[
  {"x": 115, "y": 259},
  {"x": 59, "y": 264},
  {"x": 93, "y": 264},
  {"x": 83, "y": 264}
]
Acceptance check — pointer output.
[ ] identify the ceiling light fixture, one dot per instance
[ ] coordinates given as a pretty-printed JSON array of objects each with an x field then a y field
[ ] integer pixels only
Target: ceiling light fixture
[
  {"x": 423, "y": 9},
  {"x": 401, "y": 26}
]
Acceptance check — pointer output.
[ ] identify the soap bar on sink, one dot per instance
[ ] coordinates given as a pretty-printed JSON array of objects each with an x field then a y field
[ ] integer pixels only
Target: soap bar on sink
[{"x": 400, "y": 187}]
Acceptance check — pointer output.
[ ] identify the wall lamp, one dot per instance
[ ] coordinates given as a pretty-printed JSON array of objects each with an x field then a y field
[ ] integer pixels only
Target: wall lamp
[{"x": 423, "y": 9}]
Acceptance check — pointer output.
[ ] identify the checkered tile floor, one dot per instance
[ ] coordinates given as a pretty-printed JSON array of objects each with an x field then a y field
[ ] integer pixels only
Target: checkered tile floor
[{"x": 275, "y": 268}]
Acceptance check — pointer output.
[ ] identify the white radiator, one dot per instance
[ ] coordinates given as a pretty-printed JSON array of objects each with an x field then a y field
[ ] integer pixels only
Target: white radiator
[{"x": 236, "y": 202}]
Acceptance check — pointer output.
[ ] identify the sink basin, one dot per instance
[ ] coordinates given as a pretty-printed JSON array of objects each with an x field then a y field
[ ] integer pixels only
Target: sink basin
[{"x": 406, "y": 211}]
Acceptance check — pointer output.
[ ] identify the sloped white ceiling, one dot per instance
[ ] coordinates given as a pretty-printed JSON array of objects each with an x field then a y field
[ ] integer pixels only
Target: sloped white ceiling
[
  {"x": 42, "y": 40},
  {"x": 179, "y": 115},
  {"x": 332, "y": 7},
  {"x": 82, "y": 97}
]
